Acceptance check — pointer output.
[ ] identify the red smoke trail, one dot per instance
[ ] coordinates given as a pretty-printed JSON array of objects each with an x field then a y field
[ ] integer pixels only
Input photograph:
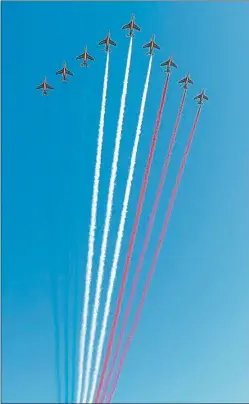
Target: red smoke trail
[
  {"x": 145, "y": 245},
  {"x": 132, "y": 240},
  {"x": 166, "y": 222}
]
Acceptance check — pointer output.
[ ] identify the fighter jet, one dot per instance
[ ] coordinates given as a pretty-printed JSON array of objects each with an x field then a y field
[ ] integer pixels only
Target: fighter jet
[
  {"x": 45, "y": 86},
  {"x": 132, "y": 26},
  {"x": 169, "y": 63},
  {"x": 186, "y": 81},
  {"x": 152, "y": 44},
  {"x": 202, "y": 96},
  {"x": 84, "y": 56},
  {"x": 108, "y": 42},
  {"x": 64, "y": 71}
]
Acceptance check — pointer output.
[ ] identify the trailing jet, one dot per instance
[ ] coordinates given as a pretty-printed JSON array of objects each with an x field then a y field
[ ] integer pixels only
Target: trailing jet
[
  {"x": 152, "y": 44},
  {"x": 84, "y": 56},
  {"x": 108, "y": 42},
  {"x": 202, "y": 96},
  {"x": 45, "y": 86},
  {"x": 186, "y": 81},
  {"x": 132, "y": 26},
  {"x": 169, "y": 63},
  {"x": 64, "y": 71}
]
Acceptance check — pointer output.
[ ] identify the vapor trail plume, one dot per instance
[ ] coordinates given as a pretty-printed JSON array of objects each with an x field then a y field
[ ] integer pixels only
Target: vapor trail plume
[
  {"x": 92, "y": 233},
  {"x": 153, "y": 266},
  {"x": 146, "y": 241},
  {"x": 107, "y": 224},
  {"x": 132, "y": 239},
  {"x": 120, "y": 235}
]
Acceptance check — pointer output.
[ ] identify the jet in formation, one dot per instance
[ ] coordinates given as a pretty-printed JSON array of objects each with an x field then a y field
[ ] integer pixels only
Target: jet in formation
[
  {"x": 45, "y": 86},
  {"x": 152, "y": 44},
  {"x": 202, "y": 96},
  {"x": 131, "y": 26},
  {"x": 108, "y": 42},
  {"x": 186, "y": 81},
  {"x": 64, "y": 71},
  {"x": 168, "y": 63},
  {"x": 85, "y": 56}
]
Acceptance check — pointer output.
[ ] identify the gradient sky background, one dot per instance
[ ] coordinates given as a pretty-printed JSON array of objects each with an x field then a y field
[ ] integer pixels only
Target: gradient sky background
[{"x": 192, "y": 342}]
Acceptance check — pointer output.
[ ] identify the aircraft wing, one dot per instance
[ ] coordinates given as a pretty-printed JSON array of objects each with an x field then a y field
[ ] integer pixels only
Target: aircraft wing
[
  {"x": 198, "y": 96},
  {"x": 156, "y": 46},
  {"x": 182, "y": 81},
  {"x": 206, "y": 98},
  {"x": 89, "y": 57},
  {"x": 80, "y": 56},
  {"x": 126, "y": 26},
  {"x": 40, "y": 86},
  {"x": 59, "y": 71},
  {"x": 50, "y": 87},
  {"x": 173, "y": 64},
  {"x": 165, "y": 63},
  {"x": 147, "y": 45},
  {"x": 136, "y": 27},
  {"x": 68, "y": 72},
  {"x": 102, "y": 42},
  {"x": 190, "y": 81},
  {"x": 113, "y": 43}
]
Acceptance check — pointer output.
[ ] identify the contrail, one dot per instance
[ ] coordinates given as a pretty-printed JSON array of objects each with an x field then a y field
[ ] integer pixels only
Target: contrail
[
  {"x": 107, "y": 224},
  {"x": 133, "y": 236},
  {"x": 146, "y": 241},
  {"x": 92, "y": 232},
  {"x": 120, "y": 234},
  {"x": 57, "y": 339},
  {"x": 161, "y": 238}
]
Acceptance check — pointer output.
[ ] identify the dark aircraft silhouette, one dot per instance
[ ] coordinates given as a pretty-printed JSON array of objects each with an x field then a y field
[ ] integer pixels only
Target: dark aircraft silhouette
[
  {"x": 152, "y": 44},
  {"x": 64, "y": 71},
  {"x": 132, "y": 26},
  {"x": 45, "y": 86},
  {"x": 108, "y": 42},
  {"x": 85, "y": 56},
  {"x": 169, "y": 63},
  {"x": 186, "y": 81},
  {"x": 202, "y": 96}
]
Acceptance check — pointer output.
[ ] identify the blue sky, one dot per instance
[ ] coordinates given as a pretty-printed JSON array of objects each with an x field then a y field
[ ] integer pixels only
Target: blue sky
[{"x": 192, "y": 341}]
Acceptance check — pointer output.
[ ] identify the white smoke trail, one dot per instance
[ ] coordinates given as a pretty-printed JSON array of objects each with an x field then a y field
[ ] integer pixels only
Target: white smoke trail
[
  {"x": 92, "y": 232},
  {"x": 107, "y": 224},
  {"x": 120, "y": 235}
]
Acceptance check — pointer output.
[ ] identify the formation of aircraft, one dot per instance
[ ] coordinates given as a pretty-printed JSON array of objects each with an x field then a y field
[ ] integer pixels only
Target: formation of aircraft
[
  {"x": 187, "y": 80},
  {"x": 64, "y": 71},
  {"x": 202, "y": 96},
  {"x": 44, "y": 86},
  {"x": 132, "y": 26},
  {"x": 108, "y": 42},
  {"x": 85, "y": 56},
  {"x": 168, "y": 63},
  {"x": 152, "y": 44}
]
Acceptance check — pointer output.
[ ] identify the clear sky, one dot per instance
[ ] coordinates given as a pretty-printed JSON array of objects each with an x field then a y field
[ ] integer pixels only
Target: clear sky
[{"x": 192, "y": 342}]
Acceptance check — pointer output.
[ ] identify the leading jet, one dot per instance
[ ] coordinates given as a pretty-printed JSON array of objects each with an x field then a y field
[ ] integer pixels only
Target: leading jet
[
  {"x": 132, "y": 26},
  {"x": 152, "y": 44},
  {"x": 186, "y": 81},
  {"x": 64, "y": 71},
  {"x": 168, "y": 63},
  {"x": 45, "y": 86},
  {"x": 108, "y": 42},
  {"x": 85, "y": 56},
  {"x": 202, "y": 96}
]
